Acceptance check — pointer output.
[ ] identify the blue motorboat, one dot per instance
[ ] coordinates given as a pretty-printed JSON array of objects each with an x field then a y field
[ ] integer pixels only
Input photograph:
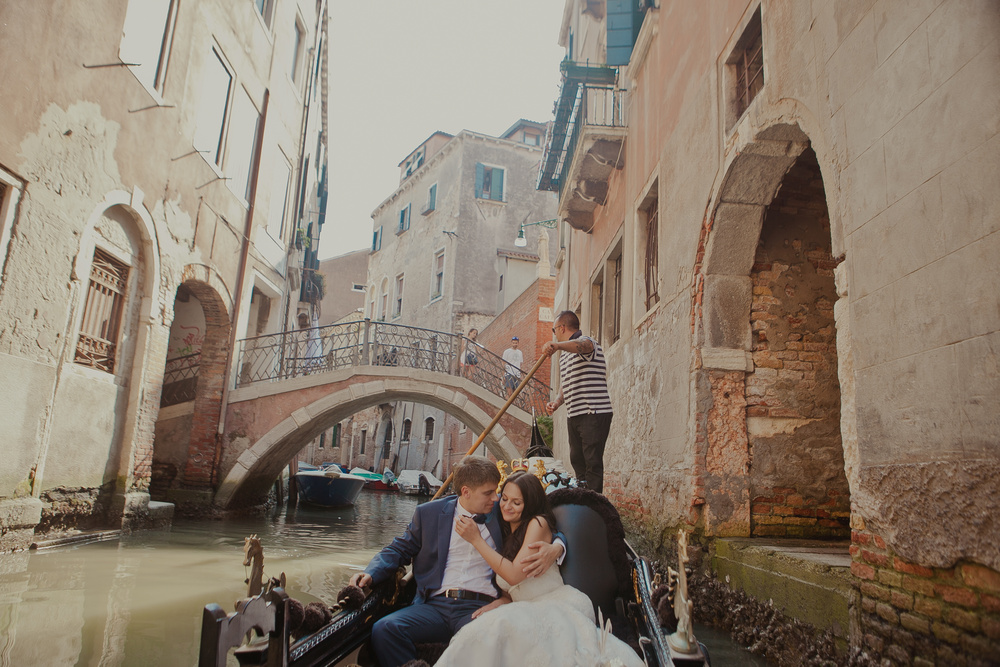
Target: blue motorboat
[{"x": 328, "y": 487}]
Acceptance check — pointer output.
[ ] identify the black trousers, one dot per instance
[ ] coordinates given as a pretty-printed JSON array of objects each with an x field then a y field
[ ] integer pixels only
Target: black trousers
[{"x": 587, "y": 437}]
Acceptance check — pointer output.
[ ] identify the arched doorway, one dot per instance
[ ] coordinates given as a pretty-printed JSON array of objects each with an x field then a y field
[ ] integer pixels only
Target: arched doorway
[
  {"x": 185, "y": 453},
  {"x": 769, "y": 422},
  {"x": 798, "y": 487}
]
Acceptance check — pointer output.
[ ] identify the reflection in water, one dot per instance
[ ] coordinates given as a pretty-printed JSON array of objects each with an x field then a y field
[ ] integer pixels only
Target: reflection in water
[{"x": 139, "y": 601}]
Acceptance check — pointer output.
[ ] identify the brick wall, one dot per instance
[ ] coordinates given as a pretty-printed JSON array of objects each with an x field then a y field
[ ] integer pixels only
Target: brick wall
[
  {"x": 201, "y": 467},
  {"x": 798, "y": 484},
  {"x": 523, "y": 318},
  {"x": 917, "y": 615}
]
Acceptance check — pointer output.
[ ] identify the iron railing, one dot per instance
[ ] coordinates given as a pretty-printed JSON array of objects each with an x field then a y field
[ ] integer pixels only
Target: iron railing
[
  {"x": 290, "y": 354},
  {"x": 597, "y": 106},
  {"x": 180, "y": 379}
]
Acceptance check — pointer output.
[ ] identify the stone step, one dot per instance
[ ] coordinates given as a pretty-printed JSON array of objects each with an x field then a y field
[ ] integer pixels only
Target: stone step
[{"x": 810, "y": 580}]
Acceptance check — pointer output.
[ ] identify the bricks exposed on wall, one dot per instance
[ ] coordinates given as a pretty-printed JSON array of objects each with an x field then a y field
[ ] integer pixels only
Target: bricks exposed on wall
[
  {"x": 911, "y": 613},
  {"x": 782, "y": 512}
]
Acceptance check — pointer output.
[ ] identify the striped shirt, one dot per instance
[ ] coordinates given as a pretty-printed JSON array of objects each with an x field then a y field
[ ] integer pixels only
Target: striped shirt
[{"x": 584, "y": 380}]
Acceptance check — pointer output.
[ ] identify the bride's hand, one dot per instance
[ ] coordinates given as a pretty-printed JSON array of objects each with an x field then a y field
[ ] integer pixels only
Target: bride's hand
[
  {"x": 467, "y": 529},
  {"x": 491, "y": 606}
]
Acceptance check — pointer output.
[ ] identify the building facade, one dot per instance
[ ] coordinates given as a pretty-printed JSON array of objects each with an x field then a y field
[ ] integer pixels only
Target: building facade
[
  {"x": 156, "y": 163},
  {"x": 781, "y": 220},
  {"x": 444, "y": 257}
]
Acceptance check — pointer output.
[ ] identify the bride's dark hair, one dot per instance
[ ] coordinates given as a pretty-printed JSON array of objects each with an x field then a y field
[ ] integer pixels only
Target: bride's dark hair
[{"x": 535, "y": 504}]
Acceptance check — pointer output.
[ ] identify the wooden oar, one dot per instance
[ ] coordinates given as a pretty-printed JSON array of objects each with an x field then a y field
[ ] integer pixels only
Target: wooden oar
[{"x": 486, "y": 431}]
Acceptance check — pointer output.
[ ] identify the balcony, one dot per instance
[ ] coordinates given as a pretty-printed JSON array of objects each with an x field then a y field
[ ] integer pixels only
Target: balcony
[{"x": 585, "y": 144}]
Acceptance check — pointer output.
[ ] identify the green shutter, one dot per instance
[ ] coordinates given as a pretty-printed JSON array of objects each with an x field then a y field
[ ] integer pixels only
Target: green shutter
[
  {"x": 479, "y": 180},
  {"x": 432, "y": 198},
  {"x": 496, "y": 192}
]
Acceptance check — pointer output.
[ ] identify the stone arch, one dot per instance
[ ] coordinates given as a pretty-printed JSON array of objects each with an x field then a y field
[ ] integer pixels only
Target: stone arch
[
  {"x": 730, "y": 348},
  {"x": 201, "y": 464},
  {"x": 131, "y": 452},
  {"x": 248, "y": 481}
]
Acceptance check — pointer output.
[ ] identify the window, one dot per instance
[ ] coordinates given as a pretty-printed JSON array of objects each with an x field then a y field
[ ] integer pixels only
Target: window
[
  {"x": 298, "y": 45},
  {"x": 377, "y": 240},
  {"x": 429, "y": 429},
  {"x": 240, "y": 144},
  {"x": 146, "y": 38},
  {"x": 213, "y": 107},
  {"x": 532, "y": 139},
  {"x": 405, "y": 436},
  {"x": 489, "y": 182},
  {"x": 322, "y": 439},
  {"x": 431, "y": 199},
  {"x": 279, "y": 196},
  {"x": 597, "y": 306},
  {"x": 335, "y": 439},
  {"x": 102, "y": 312},
  {"x": 404, "y": 219},
  {"x": 384, "y": 310},
  {"x": 415, "y": 162},
  {"x": 266, "y": 10},
  {"x": 357, "y": 287},
  {"x": 651, "y": 216},
  {"x": 397, "y": 309},
  {"x": 746, "y": 65},
  {"x": 616, "y": 294},
  {"x": 437, "y": 288},
  {"x": 387, "y": 440},
  {"x": 10, "y": 195},
  {"x": 364, "y": 438}
]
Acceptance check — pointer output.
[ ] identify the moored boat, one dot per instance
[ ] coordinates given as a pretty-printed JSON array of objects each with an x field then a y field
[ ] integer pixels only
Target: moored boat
[
  {"x": 375, "y": 481},
  {"x": 328, "y": 487},
  {"x": 409, "y": 482}
]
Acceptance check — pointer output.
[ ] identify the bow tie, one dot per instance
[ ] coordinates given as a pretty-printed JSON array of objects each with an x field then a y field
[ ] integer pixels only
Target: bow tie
[{"x": 479, "y": 518}]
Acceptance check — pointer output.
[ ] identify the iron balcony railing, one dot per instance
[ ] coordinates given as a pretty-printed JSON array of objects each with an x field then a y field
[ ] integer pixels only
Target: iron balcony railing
[
  {"x": 296, "y": 353},
  {"x": 596, "y": 107},
  {"x": 180, "y": 379}
]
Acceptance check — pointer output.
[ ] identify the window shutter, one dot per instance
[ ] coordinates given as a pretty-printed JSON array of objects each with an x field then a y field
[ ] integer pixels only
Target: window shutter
[
  {"x": 479, "y": 180},
  {"x": 496, "y": 192}
]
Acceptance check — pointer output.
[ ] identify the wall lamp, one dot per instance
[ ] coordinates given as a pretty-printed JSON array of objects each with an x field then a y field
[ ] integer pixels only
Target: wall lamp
[{"x": 520, "y": 241}]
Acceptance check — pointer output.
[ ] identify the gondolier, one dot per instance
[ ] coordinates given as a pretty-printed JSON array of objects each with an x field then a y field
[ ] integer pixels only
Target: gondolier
[{"x": 584, "y": 389}]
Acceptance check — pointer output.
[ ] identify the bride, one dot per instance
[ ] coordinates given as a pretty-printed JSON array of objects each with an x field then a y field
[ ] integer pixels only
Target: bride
[{"x": 537, "y": 621}]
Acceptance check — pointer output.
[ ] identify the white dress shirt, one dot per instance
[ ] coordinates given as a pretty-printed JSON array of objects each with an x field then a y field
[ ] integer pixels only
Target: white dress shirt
[{"x": 465, "y": 568}]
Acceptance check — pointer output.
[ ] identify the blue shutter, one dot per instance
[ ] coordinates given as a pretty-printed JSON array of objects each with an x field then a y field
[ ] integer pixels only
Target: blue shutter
[
  {"x": 432, "y": 198},
  {"x": 624, "y": 18},
  {"x": 479, "y": 180},
  {"x": 496, "y": 191}
]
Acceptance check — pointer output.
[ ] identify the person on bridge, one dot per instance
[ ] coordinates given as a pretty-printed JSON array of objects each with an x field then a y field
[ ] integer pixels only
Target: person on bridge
[
  {"x": 452, "y": 582},
  {"x": 512, "y": 369},
  {"x": 583, "y": 388}
]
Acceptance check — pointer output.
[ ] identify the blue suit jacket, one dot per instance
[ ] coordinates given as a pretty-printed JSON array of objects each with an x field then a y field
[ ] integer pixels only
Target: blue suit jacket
[{"x": 425, "y": 543}]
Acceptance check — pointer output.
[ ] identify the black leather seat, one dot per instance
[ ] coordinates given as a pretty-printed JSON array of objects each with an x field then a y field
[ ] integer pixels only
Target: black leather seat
[{"x": 588, "y": 565}]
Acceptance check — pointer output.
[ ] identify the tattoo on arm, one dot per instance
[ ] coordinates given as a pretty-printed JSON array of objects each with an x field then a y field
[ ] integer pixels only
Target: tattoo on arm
[{"x": 583, "y": 347}]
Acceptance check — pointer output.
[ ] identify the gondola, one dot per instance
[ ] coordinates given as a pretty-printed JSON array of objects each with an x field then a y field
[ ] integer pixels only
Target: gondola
[{"x": 599, "y": 562}]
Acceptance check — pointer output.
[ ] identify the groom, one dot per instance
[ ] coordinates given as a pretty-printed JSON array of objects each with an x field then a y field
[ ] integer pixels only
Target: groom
[{"x": 453, "y": 580}]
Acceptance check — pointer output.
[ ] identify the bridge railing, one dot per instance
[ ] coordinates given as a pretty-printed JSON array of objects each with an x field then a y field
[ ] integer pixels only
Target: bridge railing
[{"x": 290, "y": 354}]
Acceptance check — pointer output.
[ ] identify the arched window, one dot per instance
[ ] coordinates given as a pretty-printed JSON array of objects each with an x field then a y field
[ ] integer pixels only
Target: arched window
[
  {"x": 429, "y": 429},
  {"x": 405, "y": 437},
  {"x": 102, "y": 312}
]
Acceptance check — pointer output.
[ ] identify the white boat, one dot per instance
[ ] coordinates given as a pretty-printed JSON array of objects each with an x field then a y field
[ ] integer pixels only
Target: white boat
[{"x": 409, "y": 482}]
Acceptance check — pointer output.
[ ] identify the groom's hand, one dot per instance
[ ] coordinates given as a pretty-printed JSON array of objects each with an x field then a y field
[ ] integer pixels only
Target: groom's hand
[
  {"x": 361, "y": 580},
  {"x": 541, "y": 556}
]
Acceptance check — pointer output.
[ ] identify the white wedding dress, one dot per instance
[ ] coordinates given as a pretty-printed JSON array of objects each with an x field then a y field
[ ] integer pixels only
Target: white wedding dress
[{"x": 548, "y": 624}]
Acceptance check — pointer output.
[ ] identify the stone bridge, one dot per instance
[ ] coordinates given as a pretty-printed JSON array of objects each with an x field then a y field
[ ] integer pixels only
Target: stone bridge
[{"x": 294, "y": 385}]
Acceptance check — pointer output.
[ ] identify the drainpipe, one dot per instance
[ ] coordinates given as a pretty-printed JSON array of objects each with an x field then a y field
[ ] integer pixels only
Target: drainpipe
[{"x": 240, "y": 281}]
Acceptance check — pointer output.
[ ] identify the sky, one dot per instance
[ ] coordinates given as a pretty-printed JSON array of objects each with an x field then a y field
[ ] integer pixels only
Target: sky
[{"x": 402, "y": 69}]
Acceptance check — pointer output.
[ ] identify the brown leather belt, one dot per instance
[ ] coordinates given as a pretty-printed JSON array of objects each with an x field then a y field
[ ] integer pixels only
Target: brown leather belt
[{"x": 462, "y": 594}]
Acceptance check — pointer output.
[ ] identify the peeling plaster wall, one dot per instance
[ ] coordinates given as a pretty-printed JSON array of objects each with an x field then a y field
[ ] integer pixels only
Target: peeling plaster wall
[
  {"x": 898, "y": 102},
  {"x": 103, "y": 160}
]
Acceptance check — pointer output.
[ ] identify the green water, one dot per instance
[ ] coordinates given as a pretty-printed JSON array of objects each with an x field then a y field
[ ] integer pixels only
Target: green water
[{"x": 139, "y": 601}]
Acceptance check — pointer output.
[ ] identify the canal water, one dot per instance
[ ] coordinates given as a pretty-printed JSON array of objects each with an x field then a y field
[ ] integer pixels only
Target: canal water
[{"x": 138, "y": 601}]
